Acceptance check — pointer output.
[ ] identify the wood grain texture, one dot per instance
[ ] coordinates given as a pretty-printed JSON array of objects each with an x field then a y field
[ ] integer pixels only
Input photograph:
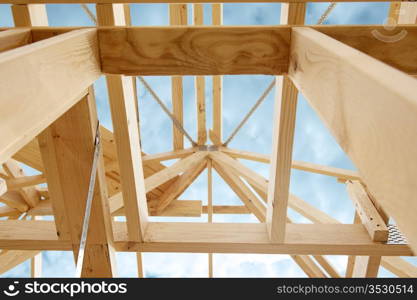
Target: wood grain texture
[
  {"x": 395, "y": 47},
  {"x": 367, "y": 212},
  {"x": 27, "y": 15},
  {"x": 370, "y": 111},
  {"x": 67, "y": 148},
  {"x": 55, "y": 72},
  {"x": 194, "y": 50},
  {"x": 253, "y": 238},
  {"x": 14, "y": 38},
  {"x": 123, "y": 112},
  {"x": 281, "y": 158},
  {"x": 177, "y": 16}
]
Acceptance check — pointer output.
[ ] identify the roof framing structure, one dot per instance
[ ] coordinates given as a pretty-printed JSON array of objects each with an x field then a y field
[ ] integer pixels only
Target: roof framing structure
[{"x": 354, "y": 81}]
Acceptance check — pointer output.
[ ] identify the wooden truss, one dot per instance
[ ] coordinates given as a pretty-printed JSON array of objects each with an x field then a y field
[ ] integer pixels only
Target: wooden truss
[{"x": 362, "y": 88}]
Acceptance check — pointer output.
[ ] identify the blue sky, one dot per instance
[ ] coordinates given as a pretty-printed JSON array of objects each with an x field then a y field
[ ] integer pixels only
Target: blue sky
[{"x": 313, "y": 142}]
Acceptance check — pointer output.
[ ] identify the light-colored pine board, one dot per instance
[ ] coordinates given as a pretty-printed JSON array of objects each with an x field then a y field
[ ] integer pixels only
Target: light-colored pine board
[
  {"x": 366, "y": 266},
  {"x": 314, "y": 239},
  {"x": 179, "y": 186},
  {"x": 166, "y": 174},
  {"x": 250, "y": 200},
  {"x": 123, "y": 111},
  {"x": 367, "y": 212},
  {"x": 11, "y": 259},
  {"x": 216, "y": 133},
  {"x": 69, "y": 63},
  {"x": 27, "y": 15},
  {"x": 194, "y": 50},
  {"x": 14, "y": 38},
  {"x": 281, "y": 158},
  {"x": 177, "y": 16},
  {"x": 366, "y": 103},
  {"x": 15, "y": 172},
  {"x": 67, "y": 148}
]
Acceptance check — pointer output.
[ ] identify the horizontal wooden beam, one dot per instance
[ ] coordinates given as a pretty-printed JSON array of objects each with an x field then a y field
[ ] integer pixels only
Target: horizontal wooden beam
[
  {"x": 315, "y": 239},
  {"x": 194, "y": 50},
  {"x": 168, "y": 51},
  {"x": 69, "y": 64},
  {"x": 177, "y": 208},
  {"x": 168, "y": 155},
  {"x": 373, "y": 116}
]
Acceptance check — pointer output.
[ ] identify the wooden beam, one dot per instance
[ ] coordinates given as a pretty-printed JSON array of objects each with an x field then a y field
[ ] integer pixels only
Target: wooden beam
[
  {"x": 14, "y": 38},
  {"x": 280, "y": 170},
  {"x": 25, "y": 181},
  {"x": 11, "y": 259},
  {"x": 216, "y": 133},
  {"x": 177, "y": 16},
  {"x": 194, "y": 50},
  {"x": 168, "y": 155},
  {"x": 370, "y": 39},
  {"x": 393, "y": 264},
  {"x": 200, "y": 85},
  {"x": 179, "y": 186},
  {"x": 166, "y": 174},
  {"x": 30, "y": 155},
  {"x": 307, "y": 264},
  {"x": 123, "y": 107},
  {"x": 250, "y": 200},
  {"x": 399, "y": 267},
  {"x": 366, "y": 266},
  {"x": 342, "y": 174},
  {"x": 71, "y": 64},
  {"x": 67, "y": 148},
  {"x": 250, "y": 176},
  {"x": 314, "y": 239},
  {"x": 28, "y": 15},
  {"x": 367, "y": 212},
  {"x": 354, "y": 120},
  {"x": 15, "y": 200},
  {"x": 227, "y": 209},
  {"x": 29, "y": 193},
  {"x": 309, "y": 239}
]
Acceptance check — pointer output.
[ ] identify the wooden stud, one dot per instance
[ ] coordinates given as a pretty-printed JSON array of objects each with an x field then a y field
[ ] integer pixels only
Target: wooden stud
[
  {"x": 177, "y": 16},
  {"x": 28, "y": 15},
  {"x": 280, "y": 170},
  {"x": 216, "y": 133}
]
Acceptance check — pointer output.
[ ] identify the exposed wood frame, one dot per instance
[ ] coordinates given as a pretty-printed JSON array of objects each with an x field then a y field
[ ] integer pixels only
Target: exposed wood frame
[
  {"x": 14, "y": 38},
  {"x": 67, "y": 148},
  {"x": 341, "y": 174},
  {"x": 36, "y": 102},
  {"x": 216, "y": 133},
  {"x": 364, "y": 90},
  {"x": 309, "y": 239},
  {"x": 177, "y": 16}
]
